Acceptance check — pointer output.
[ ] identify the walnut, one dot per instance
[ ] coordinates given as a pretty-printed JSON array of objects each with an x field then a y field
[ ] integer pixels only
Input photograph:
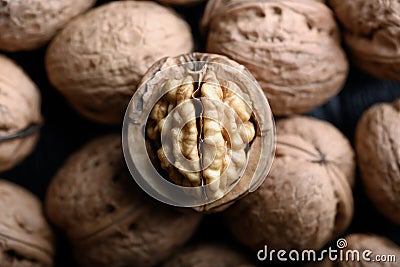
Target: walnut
[
  {"x": 179, "y": 2},
  {"x": 26, "y": 25},
  {"x": 209, "y": 132},
  {"x": 291, "y": 47},
  {"x": 306, "y": 200},
  {"x": 378, "y": 153},
  {"x": 208, "y": 254},
  {"x": 26, "y": 240},
  {"x": 378, "y": 245},
  {"x": 98, "y": 58},
  {"x": 20, "y": 116},
  {"x": 372, "y": 33},
  {"x": 107, "y": 217}
]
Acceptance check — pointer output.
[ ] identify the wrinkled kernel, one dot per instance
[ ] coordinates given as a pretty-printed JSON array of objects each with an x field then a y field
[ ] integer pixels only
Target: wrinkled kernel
[{"x": 207, "y": 135}]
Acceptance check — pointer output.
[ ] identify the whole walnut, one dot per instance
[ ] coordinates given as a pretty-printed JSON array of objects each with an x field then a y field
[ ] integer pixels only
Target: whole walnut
[
  {"x": 378, "y": 154},
  {"x": 98, "y": 58},
  {"x": 356, "y": 246},
  {"x": 26, "y": 25},
  {"x": 20, "y": 116},
  {"x": 108, "y": 219},
  {"x": 291, "y": 47},
  {"x": 207, "y": 254},
  {"x": 26, "y": 239},
  {"x": 306, "y": 200},
  {"x": 372, "y": 33},
  {"x": 209, "y": 132}
]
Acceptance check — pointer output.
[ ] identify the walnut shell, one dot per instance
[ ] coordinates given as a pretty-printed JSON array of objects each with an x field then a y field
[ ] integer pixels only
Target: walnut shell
[
  {"x": 306, "y": 199},
  {"x": 291, "y": 47},
  {"x": 179, "y": 2},
  {"x": 372, "y": 33},
  {"x": 98, "y": 59},
  {"x": 26, "y": 240},
  {"x": 208, "y": 254},
  {"x": 19, "y": 114},
  {"x": 378, "y": 153},
  {"x": 26, "y": 25},
  {"x": 106, "y": 216},
  {"x": 218, "y": 126}
]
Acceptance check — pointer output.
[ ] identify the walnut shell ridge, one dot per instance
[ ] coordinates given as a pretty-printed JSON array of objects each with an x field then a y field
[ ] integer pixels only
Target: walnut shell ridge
[
  {"x": 26, "y": 25},
  {"x": 207, "y": 254},
  {"x": 378, "y": 154},
  {"x": 306, "y": 200},
  {"x": 19, "y": 109},
  {"x": 98, "y": 59},
  {"x": 26, "y": 239},
  {"x": 291, "y": 47},
  {"x": 108, "y": 219},
  {"x": 372, "y": 33}
]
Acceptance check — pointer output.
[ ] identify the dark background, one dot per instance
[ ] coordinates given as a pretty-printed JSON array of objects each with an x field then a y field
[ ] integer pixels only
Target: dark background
[{"x": 64, "y": 131}]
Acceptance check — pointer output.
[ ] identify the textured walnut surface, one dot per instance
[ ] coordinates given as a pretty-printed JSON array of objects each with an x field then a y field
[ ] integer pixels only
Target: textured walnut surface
[
  {"x": 223, "y": 125},
  {"x": 372, "y": 32},
  {"x": 291, "y": 47},
  {"x": 19, "y": 108},
  {"x": 26, "y": 239},
  {"x": 242, "y": 130},
  {"x": 98, "y": 58},
  {"x": 208, "y": 255},
  {"x": 306, "y": 199},
  {"x": 26, "y": 25},
  {"x": 108, "y": 219},
  {"x": 179, "y": 2},
  {"x": 378, "y": 153}
]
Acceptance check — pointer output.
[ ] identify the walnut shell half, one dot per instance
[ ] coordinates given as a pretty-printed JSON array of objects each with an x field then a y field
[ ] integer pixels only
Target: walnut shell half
[
  {"x": 306, "y": 200},
  {"x": 207, "y": 125},
  {"x": 378, "y": 154},
  {"x": 26, "y": 240},
  {"x": 20, "y": 116},
  {"x": 26, "y": 25},
  {"x": 107, "y": 218},
  {"x": 291, "y": 47},
  {"x": 372, "y": 33},
  {"x": 97, "y": 59}
]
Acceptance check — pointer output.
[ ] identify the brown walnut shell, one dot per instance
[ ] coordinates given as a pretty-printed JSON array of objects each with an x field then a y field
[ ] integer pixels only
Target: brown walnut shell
[
  {"x": 208, "y": 254},
  {"x": 291, "y": 47},
  {"x": 306, "y": 200},
  {"x": 20, "y": 116},
  {"x": 372, "y": 33},
  {"x": 179, "y": 2},
  {"x": 250, "y": 145},
  {"x": 26, "y": 240},
  {"x": 108, "y": 219},
  {"x": 97, "y": 59},
  {"x": 26, "y": 25},
  {"x": 378, "y": 154}
]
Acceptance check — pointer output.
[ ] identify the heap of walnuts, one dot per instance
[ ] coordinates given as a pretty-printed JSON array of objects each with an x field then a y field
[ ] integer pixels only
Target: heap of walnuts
[{"x": 198, "y": 122}]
